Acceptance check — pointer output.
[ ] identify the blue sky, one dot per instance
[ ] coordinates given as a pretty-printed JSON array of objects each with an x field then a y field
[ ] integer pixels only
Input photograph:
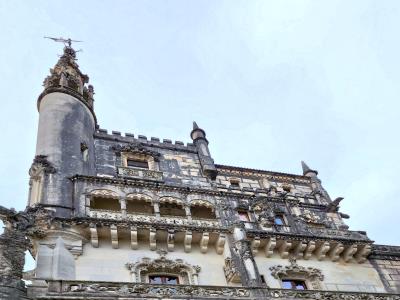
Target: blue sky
[{"x": 271, "y": 82}]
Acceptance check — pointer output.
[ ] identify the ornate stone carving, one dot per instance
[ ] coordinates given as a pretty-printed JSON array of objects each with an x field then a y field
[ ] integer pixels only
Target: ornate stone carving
[
  {"x": 142, "y": 269},
  {"x": 231, "y": 272},
  {"x": 140, "y": 173},
  {"x": 14, "y": 241},
  {"x": 137, "y": 148},
  {"x": 41, "y": 164},
  {"x": 294, "y": 271},
  {"x": 67, "y": 76},
  {"x": 111, "y": 289}
]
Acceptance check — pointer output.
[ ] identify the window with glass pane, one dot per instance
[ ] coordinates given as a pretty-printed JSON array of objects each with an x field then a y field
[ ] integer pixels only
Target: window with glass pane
[
  {"x": 279, "y": 220},
  {"x": 163, "y": 279},
  {"x": 137, "y": 163},
  {"x": 294, "y": 284},
  {"x": 243, "y": 216}
]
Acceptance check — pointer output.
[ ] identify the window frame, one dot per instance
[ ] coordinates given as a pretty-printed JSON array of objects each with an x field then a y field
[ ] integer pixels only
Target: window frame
[
  {"x": 138, "y": 163},
  {"x": 294, "y": 284},
  {"x": 163, "y": 278}
]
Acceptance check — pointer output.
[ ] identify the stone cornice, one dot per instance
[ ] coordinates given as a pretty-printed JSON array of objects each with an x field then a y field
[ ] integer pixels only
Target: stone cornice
[
  {"x": 304, "y": 237},
  {"x": 86, "y": 221},
  {"x": 69, "y": 91},
  {"x": 285, "y": 177},
  {"x": 385, "y": 252}
]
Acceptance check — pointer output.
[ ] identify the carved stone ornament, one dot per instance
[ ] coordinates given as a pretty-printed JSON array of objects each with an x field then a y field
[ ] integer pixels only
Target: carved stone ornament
[
  {"x": 294, "y": 271},
  {"x": 231, "y": 272},
  {"x": 14, "y": 241},
  {"x": 41, "y": 165},
  {"x": 136, "y": 148},
  {"x": 142, "y": 269},
  {"x": 137, "y": 289},
  {"x": 67, "y": 76}
]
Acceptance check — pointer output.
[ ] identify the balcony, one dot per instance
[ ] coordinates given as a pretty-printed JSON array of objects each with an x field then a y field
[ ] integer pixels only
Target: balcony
[
  {"x": 138, "y": 173},
  {"x": 152, "y": 219},
  {"x": 57, "y": 289}
]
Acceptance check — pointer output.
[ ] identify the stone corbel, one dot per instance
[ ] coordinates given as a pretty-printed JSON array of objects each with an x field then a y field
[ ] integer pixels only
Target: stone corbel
[
  {"x": 284, "y": 249},
  {"x": 204, "y": 242},
  {"x": 270, "y": 246},
  {"x": 134, "y": 239},
  {"x": 188, "y": 241},
  {"x": 335, "y": 252},
  {"x": 299, "y": 248},
  {"x": 220, "y": 244},
  {"x": 94, "y": 237},
  {"x": 321, "y": 251},
  {"x": 309, "y": 250},
  {"x": 152, "y": 239},
  {"x": 114, "y": 236},
  {"x": 362, "y": 253},
  {"x": 255, "y": 244},
  {"x": 170, "y": 240},
  {"x": 349, "y": 252}
]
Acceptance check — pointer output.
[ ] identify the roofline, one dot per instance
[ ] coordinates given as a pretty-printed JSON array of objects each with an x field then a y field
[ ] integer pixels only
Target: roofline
[{"x": 241, "y": 169}]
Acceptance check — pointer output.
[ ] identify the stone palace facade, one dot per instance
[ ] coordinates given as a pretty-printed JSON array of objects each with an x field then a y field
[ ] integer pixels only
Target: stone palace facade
[{"x": 118, "y": 216}]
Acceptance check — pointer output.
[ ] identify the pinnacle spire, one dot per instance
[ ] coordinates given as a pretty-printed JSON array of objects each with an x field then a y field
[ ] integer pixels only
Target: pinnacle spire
[
  {"x": 307, "y": 169},
  {"x": 66, "y": 77},
  {"x": 195, "y": 126}
]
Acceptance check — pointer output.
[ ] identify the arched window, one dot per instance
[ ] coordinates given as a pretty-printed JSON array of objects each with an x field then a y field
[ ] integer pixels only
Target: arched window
[
  {"x": 139, "y": 204},
  {"x": 170, "y": 206},
  {"x": 201, "y": 209},
  {"x": 104, "y": 200}
]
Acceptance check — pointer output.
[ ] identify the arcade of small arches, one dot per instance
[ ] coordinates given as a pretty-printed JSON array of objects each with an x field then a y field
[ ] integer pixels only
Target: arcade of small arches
[{"x": 142, "y": 204}]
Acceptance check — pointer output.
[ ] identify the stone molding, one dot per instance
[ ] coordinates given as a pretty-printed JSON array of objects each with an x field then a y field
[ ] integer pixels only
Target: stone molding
[
  {"x": 294, "y": 271},
  {"x": 127, "y": 290},
  {"x": 140, "y": 270}
]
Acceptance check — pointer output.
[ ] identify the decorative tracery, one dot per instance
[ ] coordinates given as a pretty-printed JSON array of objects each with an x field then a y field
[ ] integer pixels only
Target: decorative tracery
[
  {"x": 311, "y": 276},
  {"x": 146, "y": 267}
]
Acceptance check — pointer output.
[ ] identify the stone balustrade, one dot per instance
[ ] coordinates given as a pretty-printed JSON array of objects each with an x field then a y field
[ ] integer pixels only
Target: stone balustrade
[
  {"x": 139, "y": 173},
  {"x": 127, "y": 290}
]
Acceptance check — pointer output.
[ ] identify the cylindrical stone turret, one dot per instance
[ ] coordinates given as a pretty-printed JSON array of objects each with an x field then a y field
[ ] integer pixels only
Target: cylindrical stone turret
[{"x": 65, "y": 135}]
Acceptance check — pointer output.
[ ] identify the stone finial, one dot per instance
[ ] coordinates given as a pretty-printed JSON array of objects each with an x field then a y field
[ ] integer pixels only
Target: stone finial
[
  {"x": 307, "y": 169},
  {"x": 197, "y": 133},
  {"x": 67, "y": 77}
]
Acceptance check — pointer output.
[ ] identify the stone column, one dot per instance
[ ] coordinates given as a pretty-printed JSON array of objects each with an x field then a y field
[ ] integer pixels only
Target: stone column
[
  {"x": 122, "y": 202},
  {"x": 156, "y": 206},
  {"x": 188, "y": 213}
]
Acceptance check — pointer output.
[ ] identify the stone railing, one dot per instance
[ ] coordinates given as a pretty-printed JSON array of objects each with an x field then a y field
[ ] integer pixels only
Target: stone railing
[
  {"x": 172, "y": 220},
  {"x": 105, "y": 214},
  {"x": 127, "y": 290},
  {"x": 328, "y": 295},
  {"x": 87, "y": 289},
  {"x": 139, "y": 173}
]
